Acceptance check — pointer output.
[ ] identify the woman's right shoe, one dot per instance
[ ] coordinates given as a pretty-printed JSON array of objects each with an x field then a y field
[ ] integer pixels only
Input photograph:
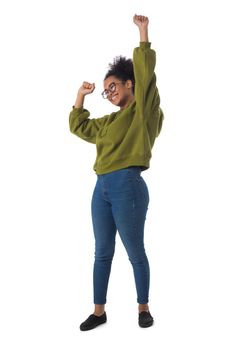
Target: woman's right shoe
[
  {"x": 145, "y": 319},
  {"x": 93, "y": 321}
]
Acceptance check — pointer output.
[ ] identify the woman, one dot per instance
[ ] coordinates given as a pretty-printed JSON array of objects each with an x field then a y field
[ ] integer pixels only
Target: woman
[{"x": 124, "y": 140}]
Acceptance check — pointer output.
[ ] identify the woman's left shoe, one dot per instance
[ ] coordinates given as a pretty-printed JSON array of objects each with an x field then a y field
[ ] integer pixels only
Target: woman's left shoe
[
  {"x": 145, "y": 319},
  {"x": 93, "y": 321}
]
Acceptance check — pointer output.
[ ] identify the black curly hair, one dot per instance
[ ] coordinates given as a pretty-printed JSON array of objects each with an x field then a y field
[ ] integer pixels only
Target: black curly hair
[{"x": 121, "y": 68}]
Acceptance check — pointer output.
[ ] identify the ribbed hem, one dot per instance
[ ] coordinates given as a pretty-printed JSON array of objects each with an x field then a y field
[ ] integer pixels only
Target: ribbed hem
[
  {"x": 121, "y": 164},
  {"x": 78, "y": 109},
  {"x": 145, "y": 44}
]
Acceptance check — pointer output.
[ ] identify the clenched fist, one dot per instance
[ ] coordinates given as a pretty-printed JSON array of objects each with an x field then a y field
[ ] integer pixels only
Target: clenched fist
[
  {"x": 86, "y": 88},
  {"x": 141, "y": 21}
]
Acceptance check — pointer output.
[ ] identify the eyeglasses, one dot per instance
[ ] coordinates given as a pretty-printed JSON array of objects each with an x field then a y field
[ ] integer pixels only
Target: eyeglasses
[{"x": 110, "y": 90}]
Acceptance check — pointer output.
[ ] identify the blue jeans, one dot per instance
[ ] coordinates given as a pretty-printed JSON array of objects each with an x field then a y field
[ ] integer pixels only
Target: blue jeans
[{"x": 119, "y": 203}]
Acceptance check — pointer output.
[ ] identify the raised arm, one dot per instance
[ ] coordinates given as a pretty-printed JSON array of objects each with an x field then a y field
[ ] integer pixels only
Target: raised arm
[
  {"x": 80, "y": 123},
  {"x": 144, "y": 60},
  {"x": 146, "y": 91},
  {"x": 84, "y": 90}
]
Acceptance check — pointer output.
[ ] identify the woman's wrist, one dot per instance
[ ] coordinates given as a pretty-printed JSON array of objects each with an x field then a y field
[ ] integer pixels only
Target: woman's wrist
[
  {"x": 79, "y": 100},
  {"x": 144, "y": 35}
]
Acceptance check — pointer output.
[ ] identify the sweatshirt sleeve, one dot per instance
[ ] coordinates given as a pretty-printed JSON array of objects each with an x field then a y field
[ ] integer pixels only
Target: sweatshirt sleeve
[
  {"x": 84, "y": 127},
  {"x": 146, "y": 92}
]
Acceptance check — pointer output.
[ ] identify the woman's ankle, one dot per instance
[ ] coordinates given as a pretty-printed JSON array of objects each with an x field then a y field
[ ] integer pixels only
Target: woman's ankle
[
  {"x": 143, "y": 307},
  {"x": 99, "y": 309}
]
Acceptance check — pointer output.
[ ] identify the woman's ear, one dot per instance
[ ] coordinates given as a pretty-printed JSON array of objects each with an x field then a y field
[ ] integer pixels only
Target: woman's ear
[{"x": 129, "y": 84}]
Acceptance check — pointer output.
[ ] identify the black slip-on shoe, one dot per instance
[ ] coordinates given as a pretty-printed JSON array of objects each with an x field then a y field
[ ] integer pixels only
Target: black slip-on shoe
[
  {"x": 145, "y": 319},
  {"x": 93, "y": 321}
]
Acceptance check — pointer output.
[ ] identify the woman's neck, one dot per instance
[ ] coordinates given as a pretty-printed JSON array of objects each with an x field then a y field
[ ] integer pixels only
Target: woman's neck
[{"x": 128, "y": 102}]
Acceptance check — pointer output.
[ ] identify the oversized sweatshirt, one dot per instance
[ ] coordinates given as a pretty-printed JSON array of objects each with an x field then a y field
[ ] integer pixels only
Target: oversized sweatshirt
[{"x": 126, "y": 137}]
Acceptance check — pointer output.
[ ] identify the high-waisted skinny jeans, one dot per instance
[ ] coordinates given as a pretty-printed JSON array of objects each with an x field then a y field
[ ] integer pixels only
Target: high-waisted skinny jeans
[{"x": 119, "y": 203}]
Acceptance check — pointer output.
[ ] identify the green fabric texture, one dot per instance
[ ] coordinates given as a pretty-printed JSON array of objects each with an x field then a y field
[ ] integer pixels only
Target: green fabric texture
[{"x": 126, "y": 137}]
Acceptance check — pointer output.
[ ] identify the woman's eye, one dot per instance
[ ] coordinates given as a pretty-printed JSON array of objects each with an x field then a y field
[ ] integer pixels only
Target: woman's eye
[{"x": 112, "y": 87}]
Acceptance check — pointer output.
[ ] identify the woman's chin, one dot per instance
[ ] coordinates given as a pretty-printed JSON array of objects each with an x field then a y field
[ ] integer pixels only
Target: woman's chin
[{"x": 115, "y": 103}]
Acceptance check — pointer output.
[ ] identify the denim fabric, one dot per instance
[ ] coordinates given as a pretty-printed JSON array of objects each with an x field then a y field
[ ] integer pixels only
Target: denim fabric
[{"x": 120, "y": 203}]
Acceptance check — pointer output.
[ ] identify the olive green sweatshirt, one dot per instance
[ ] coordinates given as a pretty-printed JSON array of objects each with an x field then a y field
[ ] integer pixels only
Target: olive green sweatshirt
[{"x": 126, "y": 137}]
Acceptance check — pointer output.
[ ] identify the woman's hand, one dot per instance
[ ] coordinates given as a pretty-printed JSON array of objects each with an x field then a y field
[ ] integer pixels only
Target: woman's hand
[
  {"x": 86, "y": 88},
  {"x": 141, "y": 21}
]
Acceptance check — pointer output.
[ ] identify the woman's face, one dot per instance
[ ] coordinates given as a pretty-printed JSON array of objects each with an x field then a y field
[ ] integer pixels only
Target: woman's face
[{"x": 117, "y": 92}]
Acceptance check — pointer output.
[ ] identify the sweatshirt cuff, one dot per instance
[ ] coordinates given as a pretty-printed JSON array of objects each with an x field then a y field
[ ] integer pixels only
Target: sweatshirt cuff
[
  {"x": 77, "y": 108},
  {"x": 145, "y": 44}
]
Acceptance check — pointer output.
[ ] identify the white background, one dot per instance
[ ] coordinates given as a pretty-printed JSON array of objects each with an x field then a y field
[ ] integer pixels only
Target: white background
[{"x": 46, "y": 250}]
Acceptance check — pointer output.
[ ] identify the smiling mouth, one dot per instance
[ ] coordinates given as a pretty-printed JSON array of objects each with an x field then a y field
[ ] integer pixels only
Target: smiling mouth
[{"x": 113, "y": 98}]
